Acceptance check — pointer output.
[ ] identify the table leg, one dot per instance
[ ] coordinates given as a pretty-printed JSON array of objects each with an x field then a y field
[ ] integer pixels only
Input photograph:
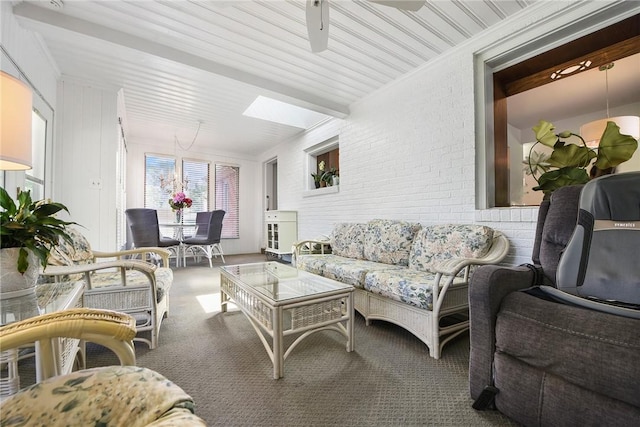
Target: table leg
[
  {"x": 350, "y": 327},
  {"x": 223, "y": 299},
  {"x": 278, "y": 345}
]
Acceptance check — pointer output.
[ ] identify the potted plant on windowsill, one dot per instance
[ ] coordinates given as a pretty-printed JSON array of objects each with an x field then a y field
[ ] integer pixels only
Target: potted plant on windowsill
[
  {"x": 568, "y": 162},
  {"x": 319, "y": 177},
  {"x": 28, "y": 233},
  {"x": 328, "y": 177}
]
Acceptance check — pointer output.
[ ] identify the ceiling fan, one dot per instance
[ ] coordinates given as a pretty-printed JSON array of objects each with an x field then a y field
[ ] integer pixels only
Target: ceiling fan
[{"x": 318, "y": 18}]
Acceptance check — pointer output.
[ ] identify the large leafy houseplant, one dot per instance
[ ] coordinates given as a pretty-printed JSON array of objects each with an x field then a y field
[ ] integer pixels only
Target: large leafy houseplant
[
  {"x": 568, "y": 162},
  {"x": 30, "y": 225}
]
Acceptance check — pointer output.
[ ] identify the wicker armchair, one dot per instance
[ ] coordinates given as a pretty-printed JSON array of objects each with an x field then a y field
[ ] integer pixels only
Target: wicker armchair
[
  {"x": 134, "y": 286},
  {"x": 110, "y": 395}
]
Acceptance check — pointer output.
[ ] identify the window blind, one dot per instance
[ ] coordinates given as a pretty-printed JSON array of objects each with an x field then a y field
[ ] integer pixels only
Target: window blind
[
  {"x": 195, "y": 176},
  {"x": 159, "y": 184},
  {"x": 227, "y": 190}
]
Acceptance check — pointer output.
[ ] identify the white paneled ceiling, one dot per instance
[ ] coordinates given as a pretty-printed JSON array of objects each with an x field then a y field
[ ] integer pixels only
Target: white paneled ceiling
[{"x": 184, "y": 62}]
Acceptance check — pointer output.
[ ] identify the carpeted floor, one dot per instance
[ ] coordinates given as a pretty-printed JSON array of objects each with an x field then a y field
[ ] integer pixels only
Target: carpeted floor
[{"x": 389, "y": 380}]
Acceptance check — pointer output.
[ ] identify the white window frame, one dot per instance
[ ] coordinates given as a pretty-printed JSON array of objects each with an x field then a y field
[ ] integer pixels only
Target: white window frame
[{"x": 312, "y": 154}]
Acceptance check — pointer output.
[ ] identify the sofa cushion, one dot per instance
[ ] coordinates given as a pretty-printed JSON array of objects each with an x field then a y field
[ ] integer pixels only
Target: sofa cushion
[
  {"x": 389, "y": 241},
  {"x": 436, "y": 243},
  {"x": 105, "y": 278},
  {"x": 347, "y": 240},
  {"x": 78, "y": 252},
  {"x": 345, "y": 270},
  {"x": 404, "y": 285},
  {"x": 103, "y": 396}
]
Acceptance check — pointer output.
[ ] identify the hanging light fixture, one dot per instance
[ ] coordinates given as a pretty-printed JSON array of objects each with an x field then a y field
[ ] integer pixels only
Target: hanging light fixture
[
  {"x": 592, "y": 131},
  {"x": 15, "y": 125},
  {"x": 173, "y": 183}
]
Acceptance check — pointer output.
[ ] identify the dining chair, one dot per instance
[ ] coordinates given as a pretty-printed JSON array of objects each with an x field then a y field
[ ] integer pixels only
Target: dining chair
[
  {"x": 207, "y": 236},
  {"x": 143, "y": 230}
]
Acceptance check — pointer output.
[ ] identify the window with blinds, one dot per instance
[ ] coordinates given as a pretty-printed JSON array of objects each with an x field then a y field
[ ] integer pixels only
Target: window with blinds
[
  {"x": 160, "y": 183},
  {"x": 227, "y": 190},
  {"x": 195, "y": 177}
]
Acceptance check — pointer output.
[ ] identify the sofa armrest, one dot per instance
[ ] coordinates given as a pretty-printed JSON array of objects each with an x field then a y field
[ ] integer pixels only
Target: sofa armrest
[
  {"x": 489, "y": 285},
  {"x": 311, "y": 246},
  {"x": 143, "y": 252},
  {"x": 497, "y": 252},
  {"x": 59, "y": 270}
]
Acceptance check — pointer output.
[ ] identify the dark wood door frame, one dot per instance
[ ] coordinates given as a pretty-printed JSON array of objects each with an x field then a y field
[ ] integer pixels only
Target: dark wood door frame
[{"x": 601, "y": 47}]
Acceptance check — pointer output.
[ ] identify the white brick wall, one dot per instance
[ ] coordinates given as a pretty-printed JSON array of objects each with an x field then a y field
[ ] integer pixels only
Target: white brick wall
[{"x": 408, "y": 151}]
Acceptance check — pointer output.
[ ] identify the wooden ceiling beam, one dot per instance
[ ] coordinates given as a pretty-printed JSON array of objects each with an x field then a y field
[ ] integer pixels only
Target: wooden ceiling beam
[
  {"x": 603, "y": 46},
  {"x": 599, "y": 57}
]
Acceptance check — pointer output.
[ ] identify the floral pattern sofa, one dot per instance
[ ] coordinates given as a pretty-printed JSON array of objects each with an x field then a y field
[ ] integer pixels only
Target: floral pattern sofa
[{"x": 412, "y": 275}]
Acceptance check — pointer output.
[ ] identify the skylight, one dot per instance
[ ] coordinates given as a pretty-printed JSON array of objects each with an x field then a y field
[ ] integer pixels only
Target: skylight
[{"x": 281, "y": 112}]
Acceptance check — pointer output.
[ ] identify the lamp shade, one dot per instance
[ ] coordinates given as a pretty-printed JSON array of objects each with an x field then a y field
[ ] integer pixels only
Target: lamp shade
[
  {"x": 15, "y": 124},
  {"x": 592, "y": 131}
]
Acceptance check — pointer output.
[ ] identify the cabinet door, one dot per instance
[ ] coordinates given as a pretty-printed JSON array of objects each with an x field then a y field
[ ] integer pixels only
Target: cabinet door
[{"x": 282, "y": 230}]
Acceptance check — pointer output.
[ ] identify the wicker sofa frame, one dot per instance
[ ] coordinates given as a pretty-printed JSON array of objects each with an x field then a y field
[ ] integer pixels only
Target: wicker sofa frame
[{"x": 448, "y": 316}]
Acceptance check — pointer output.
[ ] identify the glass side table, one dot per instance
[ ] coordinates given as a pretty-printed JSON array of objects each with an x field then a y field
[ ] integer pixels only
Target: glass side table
[{"x": 48, "y": 297}]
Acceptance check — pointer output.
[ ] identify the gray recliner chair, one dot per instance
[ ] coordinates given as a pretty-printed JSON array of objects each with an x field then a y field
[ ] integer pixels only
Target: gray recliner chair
[{"x": 542, "y": 362}]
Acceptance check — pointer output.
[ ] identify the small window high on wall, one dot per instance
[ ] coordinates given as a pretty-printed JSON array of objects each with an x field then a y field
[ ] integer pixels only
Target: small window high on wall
[
  {"x": 227, "y": 198},
  {"x": 324, "y": 164}
]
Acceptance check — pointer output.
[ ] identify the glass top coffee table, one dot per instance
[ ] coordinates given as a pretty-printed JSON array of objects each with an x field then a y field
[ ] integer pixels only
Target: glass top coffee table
[{"x": 280, "y": 300}]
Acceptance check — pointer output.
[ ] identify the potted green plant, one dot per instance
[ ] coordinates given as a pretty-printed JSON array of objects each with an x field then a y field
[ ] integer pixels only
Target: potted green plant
[
  {"x": 318, "y": 176},
  {"x": 28, "y": 233},
  {"x": 327, "y": 177},
  {"x": 568, "y": 162}
]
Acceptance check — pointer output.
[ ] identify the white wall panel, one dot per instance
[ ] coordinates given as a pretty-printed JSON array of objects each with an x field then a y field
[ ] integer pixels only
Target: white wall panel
[
  {"x": 27, "y": 50},
  {"x": 88, "y": 137}
]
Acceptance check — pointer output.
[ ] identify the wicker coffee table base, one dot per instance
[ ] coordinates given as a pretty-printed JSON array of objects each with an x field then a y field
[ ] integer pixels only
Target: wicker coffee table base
[{"x": 302, "y": 316}]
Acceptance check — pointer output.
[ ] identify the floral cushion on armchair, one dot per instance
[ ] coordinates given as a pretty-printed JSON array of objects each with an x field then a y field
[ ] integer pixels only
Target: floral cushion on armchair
[
  {"x": 105, "y": 396},
  {"x": 437, "y": 243},
  {"x": 389, "y": 241},
  {"x": 78, "y": 252},
  {"x": 65, "y": 253}
]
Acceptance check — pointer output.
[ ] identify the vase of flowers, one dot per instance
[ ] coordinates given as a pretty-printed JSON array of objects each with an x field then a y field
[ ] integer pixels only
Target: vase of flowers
[{"x": 178, "y": 202}]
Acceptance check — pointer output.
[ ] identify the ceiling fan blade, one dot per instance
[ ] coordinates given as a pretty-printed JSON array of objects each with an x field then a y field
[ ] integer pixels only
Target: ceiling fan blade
[
  {"x": 318, "y": 24},
  {"x": 412, "y": 5}
]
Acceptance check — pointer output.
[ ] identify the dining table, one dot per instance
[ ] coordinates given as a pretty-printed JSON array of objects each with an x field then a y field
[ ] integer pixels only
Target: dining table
[{"x": 178, "y": 233}]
